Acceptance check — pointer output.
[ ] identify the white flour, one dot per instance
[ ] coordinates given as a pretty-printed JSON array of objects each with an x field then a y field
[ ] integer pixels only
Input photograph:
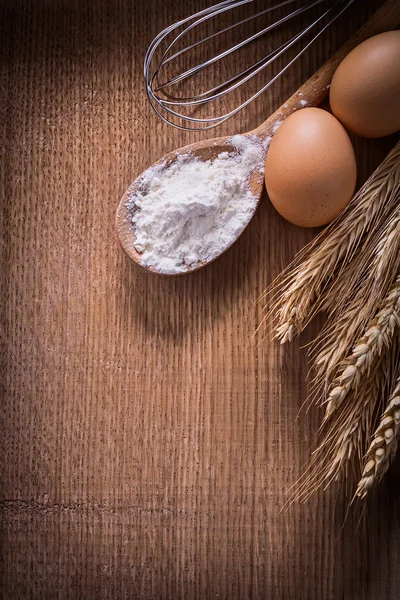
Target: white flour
[{"x": 192, "y": 211}]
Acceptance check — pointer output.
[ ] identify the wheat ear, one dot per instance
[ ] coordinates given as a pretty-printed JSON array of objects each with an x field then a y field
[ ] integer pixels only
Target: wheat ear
[
  {"x": 378, "y": 336},
  {"x": 302, "y": 283},
  {"x": 342, "y": 442},
  {"x": 384, "y": 445},
  {"x": 371, "y": 278}
]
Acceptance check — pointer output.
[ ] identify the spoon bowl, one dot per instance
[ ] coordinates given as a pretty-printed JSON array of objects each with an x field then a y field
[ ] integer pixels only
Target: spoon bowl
[
  {"x": 204, "y": 151},
  {"x": 312, "y": 93}
]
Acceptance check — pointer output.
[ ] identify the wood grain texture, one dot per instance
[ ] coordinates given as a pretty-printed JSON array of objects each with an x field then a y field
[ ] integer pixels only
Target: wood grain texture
[{"x": 148, "y": 439}]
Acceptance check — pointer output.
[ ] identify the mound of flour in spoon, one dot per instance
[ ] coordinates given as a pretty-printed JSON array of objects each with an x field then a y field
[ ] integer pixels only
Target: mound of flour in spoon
[{"x": 191, "y": 211}]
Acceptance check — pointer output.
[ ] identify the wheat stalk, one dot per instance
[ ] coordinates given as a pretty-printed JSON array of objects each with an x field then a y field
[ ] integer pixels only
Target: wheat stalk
[
  {"x": 383, "y": 446},
  {"x": 299, "y": 288},
  {"x": 352, "y": 271},
  {"x": 378, "y": 336}
]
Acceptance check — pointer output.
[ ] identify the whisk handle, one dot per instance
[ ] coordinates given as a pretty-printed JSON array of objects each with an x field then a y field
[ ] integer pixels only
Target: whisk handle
[{"x": 315, "y": 89}]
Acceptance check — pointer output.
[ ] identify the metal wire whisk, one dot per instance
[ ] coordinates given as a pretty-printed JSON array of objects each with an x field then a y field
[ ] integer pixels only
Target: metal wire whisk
[{"x": 170, "y": 107}]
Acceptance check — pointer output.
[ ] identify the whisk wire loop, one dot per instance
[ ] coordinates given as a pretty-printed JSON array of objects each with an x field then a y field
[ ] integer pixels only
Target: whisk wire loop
[{"x": 166, "y": 104}]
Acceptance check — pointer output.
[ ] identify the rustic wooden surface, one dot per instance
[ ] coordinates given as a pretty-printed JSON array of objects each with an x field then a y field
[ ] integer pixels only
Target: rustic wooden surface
[{"x": 148, "y": 439}]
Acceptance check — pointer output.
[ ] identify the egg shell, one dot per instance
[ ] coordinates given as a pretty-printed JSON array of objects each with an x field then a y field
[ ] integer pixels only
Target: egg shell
[
  {"x": 365, "y": 90},
  {"x": 310, "y": 168}
]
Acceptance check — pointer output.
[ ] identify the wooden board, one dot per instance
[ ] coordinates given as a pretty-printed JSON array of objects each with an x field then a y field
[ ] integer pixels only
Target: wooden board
[{"x": 148, "y": 439}]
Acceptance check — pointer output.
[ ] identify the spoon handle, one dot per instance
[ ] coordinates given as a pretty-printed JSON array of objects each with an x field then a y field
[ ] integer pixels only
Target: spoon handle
[{"x": 315, "y": 90}]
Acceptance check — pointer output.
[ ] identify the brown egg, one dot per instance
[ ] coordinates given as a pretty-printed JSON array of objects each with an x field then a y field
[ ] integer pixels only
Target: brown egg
[
  {"x": 310, "y": 169},
  {"x": 365, "y": 90}
]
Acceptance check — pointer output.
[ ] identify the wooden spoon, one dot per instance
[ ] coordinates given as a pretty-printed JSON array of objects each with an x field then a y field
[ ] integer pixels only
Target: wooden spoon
[{"x": 312, "y": 93}]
